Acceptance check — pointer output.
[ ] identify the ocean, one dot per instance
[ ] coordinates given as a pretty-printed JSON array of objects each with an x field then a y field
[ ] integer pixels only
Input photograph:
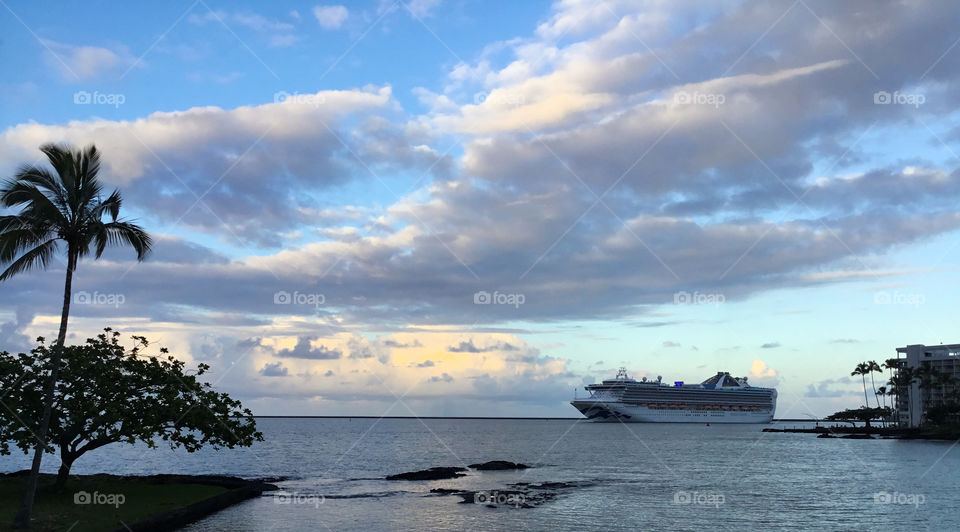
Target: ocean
[{"x": 615, "y": 477}]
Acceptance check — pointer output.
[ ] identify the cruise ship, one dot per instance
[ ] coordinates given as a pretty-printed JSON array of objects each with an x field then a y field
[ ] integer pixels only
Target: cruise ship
[{"x": 719, "y": 399}]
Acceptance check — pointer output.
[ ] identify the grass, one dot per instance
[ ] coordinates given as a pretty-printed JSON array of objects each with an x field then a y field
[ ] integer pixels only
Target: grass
[{"x": 59, "y": 511}]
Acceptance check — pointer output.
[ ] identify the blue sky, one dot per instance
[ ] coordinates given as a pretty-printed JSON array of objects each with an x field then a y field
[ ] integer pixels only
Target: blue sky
[{"x": 793, "y": 172}]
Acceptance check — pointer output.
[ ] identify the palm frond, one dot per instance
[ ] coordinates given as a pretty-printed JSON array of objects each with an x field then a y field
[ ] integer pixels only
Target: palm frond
[
  {"x": 38, "y": 256},
  {"x": 88, "y": 182},
  {"x": 40, "y": 205},
  {"x": 119, "y": 233},
  {"x": 110, "y": 205},
  {"x": 62, "y": 161},
  {"x": 16, "y": 241}
]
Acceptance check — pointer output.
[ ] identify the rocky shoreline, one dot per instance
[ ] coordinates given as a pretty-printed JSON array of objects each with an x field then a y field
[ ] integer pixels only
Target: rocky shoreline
[
  {"x": 868, "y": 433},
  {"x": 515, "y": 495},
  {"x": 238, "y": 490},
  {"x": 444, "y": 473}
]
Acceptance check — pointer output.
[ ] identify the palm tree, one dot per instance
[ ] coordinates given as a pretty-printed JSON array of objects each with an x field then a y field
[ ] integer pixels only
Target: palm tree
[
  {"x": 873, "y": 367},
  {"x": 891, "y": 364},
  {"x": 63, "y": 206},
  {"x": 882, "y": 392},
  {"x": 862, "y": 370}
]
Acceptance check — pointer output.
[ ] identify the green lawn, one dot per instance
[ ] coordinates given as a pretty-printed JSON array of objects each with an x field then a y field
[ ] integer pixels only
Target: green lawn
[{"x": 58, "y": 511}]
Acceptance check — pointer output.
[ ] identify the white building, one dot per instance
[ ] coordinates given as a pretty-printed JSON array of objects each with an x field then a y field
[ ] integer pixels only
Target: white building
[{"x": 912, "y": 400}]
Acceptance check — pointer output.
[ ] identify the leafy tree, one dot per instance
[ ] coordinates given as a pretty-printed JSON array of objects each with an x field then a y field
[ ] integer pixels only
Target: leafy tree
[
  {"x": 59, "y": 207},
  {"x": 111, "y": 395},
  {"x": 864, "y": 414},
  {"x": 940, "y": 413}
]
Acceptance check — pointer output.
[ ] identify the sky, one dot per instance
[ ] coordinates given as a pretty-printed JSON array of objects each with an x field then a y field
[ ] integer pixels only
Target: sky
[{"x": 455, "y": 208}]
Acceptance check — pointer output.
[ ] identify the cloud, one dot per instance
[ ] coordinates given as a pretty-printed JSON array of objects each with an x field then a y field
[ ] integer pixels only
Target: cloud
[
  {"x": 248, "y": 20},
  {"x": 422, "y": 8},
  {"x": 426, "y": 364},
  {"x": 331, "y": 17},
  {"x": 304, "y": 349},
  {"x": 400, "y": 345},
  {"x": 12, "y": 337},
  {"x": 670, "y": 344},
  {"x": 770, "y": 345},
  {"x": 277, "y": 33},
  {"x": 832, "y": 388},
  {"x": 274, "y": 370},
  {"x": 223, "y": 154},
  {"x": 441, "y": 378},
  {"x": 763, "y": 375},
  {"x": 469, "y": 347},
  {"x": 84, "y": 63}
]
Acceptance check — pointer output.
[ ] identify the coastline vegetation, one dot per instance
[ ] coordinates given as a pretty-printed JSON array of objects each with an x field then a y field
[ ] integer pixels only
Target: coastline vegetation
[{"x": 941, "y": 416}]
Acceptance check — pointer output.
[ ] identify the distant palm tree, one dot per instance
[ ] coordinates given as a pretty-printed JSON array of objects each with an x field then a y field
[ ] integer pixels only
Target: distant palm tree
[
  {"x": 862, "y": 369},
  {"x": 873, "y": 367},
  {"x": 63, "y": 206},
  {"x": 891, "y": 364},
  {"x": 882, "y": 392}
]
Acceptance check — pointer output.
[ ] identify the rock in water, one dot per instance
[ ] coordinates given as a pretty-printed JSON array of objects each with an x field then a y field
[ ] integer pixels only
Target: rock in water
[
  {"x": 498, "y": 465},
  {"x": 434, "y": 473}
]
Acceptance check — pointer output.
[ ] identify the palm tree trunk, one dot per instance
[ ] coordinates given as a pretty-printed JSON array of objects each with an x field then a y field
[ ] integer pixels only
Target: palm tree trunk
[
  {"x": 22, "y": 519},
  {"x": 874, "y": 385},
  {"x": 866, "y": 401}
]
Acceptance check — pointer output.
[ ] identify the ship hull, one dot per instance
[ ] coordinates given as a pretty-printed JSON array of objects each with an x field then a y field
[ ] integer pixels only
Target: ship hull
[{"x": 618, "y": 412}]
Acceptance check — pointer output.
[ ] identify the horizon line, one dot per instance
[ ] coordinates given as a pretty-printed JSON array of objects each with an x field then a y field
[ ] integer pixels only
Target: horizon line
[{"x": 476, "y": 417}]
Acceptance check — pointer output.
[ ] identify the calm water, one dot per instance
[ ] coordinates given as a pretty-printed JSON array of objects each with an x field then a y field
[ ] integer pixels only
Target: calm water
[{"x": 633, "y": 475}]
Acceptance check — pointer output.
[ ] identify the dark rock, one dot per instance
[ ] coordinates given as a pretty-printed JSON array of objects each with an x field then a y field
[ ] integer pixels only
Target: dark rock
[
  {"x": 825, "y": 435},
  {"x": 498, "y": 465},
  {"x": 857, "y": 437},
  {"x": 434, "y": 473}
]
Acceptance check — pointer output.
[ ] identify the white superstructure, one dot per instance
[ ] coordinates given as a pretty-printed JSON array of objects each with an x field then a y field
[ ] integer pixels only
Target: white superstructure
[
  {"x": 719, "y": 399},
  {"x": 913, "y": 399}
]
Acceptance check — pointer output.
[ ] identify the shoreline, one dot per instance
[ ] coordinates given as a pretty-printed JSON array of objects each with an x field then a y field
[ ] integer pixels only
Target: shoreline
[
  {"x": 885, "y": 433},
  {"x": 237, "y": 491}
]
